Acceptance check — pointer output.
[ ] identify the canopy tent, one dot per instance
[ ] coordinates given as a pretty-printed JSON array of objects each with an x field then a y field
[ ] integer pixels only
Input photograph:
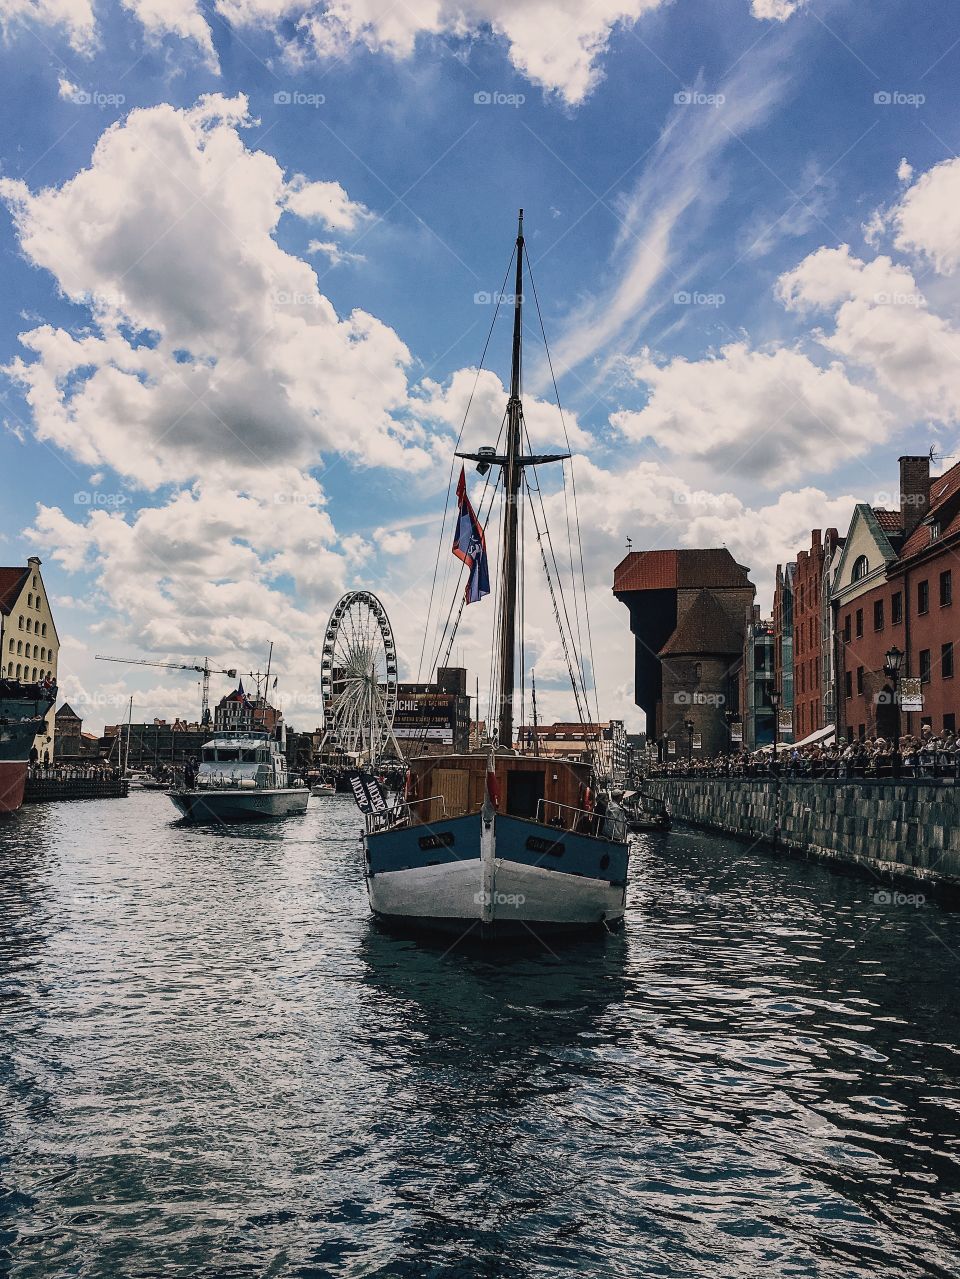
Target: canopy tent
[{"x": 820, "y": 737}]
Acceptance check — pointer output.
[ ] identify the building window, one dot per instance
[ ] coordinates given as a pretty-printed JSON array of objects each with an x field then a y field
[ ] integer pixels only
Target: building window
[
  {"x": 896, "y": 608},
  {"x": 29, "y": 623},
  {"x": 859, "y": 681},
  {"x": 20, "y": 622},
  {"x": 43, "y": 629},
  {"x": 878, "y": 615},
  {"x": 925, "y": 665},
  {"x": 860, "y": 568},
  {"x": 934, "y": 530},
  {"x": 950, "y": 722},
  {"x": 848, "y": 683},
  {"x": 946, "y": 660},
  {"x": 29, "y": 601},
  {"x": 859, "y": 626},
  {"x": 946, "y": 588},
  {"x": 846, "y": 629},
  {"x": 923, "y": 597},
  {"x": 698, "y": 672},
  {"x": 26, "y": 650},
  {"x": 19, "y": 648}
]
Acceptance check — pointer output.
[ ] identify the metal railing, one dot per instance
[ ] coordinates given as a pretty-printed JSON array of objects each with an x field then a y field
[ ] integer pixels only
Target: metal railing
[
  {"x": 886, "y": 767},
  {"x": 399, "y": 813},
  {"x": 583, "y": 821}
]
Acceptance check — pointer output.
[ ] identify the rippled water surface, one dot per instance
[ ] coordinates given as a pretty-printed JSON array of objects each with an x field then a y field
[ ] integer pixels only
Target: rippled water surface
[{"x": 213, "y": 1064}]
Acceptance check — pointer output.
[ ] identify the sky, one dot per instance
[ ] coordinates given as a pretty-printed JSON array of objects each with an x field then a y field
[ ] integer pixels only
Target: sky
[{"x": 248, "y": 251}]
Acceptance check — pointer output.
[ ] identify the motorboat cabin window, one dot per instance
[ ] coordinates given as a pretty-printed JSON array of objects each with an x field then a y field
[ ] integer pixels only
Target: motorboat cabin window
[
  {"x": 251, "y": 756},
  {"x": 227, "y": 754},
  {"x": 208, "y": 754}
]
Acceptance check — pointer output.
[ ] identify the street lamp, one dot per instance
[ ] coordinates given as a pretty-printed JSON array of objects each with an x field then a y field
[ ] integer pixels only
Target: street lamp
[
  {"x": 775, "y": 703},
  {"x": 689, "y": 725},
  {"x": 894, "y": 661}
]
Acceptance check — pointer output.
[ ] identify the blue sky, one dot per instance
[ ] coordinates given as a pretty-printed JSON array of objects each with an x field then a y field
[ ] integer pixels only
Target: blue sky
[{"x": 238, "y": 329}]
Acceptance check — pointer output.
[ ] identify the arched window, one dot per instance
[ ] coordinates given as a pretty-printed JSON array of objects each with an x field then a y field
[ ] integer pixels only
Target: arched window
[
  {"x": 29, "y": 623},
  {"x": 19, "y": 647},
  {"x": 26, "y": 650},
  {"x": 11, "y": 644},
  {"x": 698, "y": 671},
  {"x": 34, "y": 677},
  {"x": 18, "y": 670},
  {"x": 43, "y": 629},
  {"x": 861, "y": 568},
  {"x": 30, "y": 601},
  {"x": 20, "y": 622}
]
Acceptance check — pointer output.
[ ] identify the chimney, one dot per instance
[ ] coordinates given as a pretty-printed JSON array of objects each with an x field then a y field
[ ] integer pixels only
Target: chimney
[
  {"x": 815, "y": 539},
  {"x": 914, "y": 491}
]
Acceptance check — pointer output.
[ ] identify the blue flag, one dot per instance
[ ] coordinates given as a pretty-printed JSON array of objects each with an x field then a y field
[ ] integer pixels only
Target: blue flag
[{"x": 470, "y": 546}]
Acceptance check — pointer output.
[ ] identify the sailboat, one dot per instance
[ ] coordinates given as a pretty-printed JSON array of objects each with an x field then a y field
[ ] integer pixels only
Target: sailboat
[{"x": 496, "y": 844}]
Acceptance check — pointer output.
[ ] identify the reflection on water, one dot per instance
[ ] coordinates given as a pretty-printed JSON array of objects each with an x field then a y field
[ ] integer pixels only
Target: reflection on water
[{"x": 213, "y": 1064}]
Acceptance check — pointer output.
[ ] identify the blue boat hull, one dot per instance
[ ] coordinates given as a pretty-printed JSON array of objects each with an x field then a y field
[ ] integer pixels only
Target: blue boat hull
[{"x": 504, "y": 878}]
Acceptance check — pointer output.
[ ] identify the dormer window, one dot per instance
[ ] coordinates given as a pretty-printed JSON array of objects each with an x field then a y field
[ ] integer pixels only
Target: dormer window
[
  {"x": 861, "y": 568},
  {"x": 934, "y": 530}
]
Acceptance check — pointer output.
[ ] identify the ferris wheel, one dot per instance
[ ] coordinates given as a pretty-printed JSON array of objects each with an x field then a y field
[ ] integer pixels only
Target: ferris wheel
[{"x": 358, "y": 679}]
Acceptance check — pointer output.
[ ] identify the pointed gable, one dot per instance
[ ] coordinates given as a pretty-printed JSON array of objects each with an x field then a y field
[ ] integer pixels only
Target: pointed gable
[{"x": 704, "y": 628}]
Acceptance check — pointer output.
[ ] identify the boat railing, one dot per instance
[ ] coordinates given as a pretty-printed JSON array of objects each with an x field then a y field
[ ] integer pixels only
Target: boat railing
[
  {"x": 400, "y": 813},
  {"x": 583, "y": 821}
]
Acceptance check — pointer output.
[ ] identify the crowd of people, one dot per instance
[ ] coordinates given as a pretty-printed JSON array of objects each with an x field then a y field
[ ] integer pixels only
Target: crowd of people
[
  {"x": 929, "y": 755},
  {"x": 61, "y": 771}
]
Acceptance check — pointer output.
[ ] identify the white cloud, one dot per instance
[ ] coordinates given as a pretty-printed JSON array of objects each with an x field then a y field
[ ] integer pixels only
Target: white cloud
[
  {"x": 489, "y": 400},
  {"x": 67, "y": 90},
  {"x": 397, "y": 542},
  {"x": 212, "y": 349},
  {"x": 882, "y": 322},
  {"x": 765, "y": 414},
  {"x": 75, "y": 17},
  {"x": 325, "y": 202},
  {"x": 905, "y": 171},
  {"x": 333, "y": 252},
  {"x": 179, "y": 18},
  {"x": 775, "y": 10},
  {"x": 927, "y": 219}
]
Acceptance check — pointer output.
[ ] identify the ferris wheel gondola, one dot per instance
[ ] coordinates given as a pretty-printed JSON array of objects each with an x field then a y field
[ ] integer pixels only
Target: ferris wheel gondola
[{"x": 358, "y": 680}]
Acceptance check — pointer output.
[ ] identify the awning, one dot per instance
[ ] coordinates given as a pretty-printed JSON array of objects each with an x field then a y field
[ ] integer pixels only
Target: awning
[{"x": 822, "y": 736}]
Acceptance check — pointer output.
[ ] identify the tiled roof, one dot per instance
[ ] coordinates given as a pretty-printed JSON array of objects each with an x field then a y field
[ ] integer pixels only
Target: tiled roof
[
  {"x": 66, "y": 710},
  {"x": 704, "y": 628},
  {"x": 679, "y": 570},
  {"x": 943, "y": 494},
  {"x": 889, "y": 521},
  {"x": 12, "y": 581}
]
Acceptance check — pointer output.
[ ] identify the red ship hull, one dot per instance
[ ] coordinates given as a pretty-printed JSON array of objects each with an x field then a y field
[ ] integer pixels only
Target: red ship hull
[{"x": 13, "y": 779}]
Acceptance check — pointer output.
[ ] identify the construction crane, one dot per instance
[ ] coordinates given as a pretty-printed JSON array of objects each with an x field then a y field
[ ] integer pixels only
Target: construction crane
[{"x": 206, "y": 670}]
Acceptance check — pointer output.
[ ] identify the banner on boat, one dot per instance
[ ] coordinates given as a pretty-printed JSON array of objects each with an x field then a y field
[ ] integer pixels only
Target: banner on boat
[{"x": 366, "y": 791}]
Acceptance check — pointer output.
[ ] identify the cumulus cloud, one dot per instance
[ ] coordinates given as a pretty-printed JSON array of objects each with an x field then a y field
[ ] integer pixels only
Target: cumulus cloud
[
  {"x": 882, "y": 322},
  {"x": 762, "y": 413},
  {"x": 926, "y": 221},
  {"x": 211, "y": 347}
]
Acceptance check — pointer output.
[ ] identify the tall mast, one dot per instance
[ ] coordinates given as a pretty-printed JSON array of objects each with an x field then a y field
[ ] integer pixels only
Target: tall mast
[{"x": 512, "y": 472}]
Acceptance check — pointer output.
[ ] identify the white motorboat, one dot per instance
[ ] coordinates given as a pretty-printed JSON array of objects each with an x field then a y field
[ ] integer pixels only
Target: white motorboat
[{"x": 242, "y": 777}]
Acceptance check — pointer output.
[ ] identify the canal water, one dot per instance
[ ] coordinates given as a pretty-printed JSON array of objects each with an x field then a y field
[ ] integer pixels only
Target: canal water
[{"x": 212, "y": 1064}]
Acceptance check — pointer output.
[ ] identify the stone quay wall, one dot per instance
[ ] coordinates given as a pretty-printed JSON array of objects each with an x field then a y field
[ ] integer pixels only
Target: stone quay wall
[{"x": 900, "y": 830}]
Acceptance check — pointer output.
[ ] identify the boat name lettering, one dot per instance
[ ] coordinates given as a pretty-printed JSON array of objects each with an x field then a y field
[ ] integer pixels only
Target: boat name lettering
[{"x": 550, "y": 846}]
